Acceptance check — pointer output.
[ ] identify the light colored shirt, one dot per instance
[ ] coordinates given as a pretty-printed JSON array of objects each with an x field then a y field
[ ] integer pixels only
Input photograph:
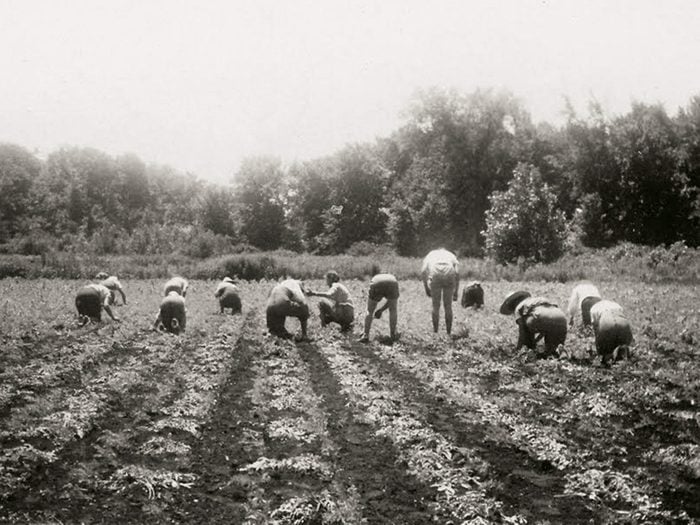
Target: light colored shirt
[
  {"x": 578, "y": 294},
  {"x": 102, "y": 290},
  {"x": 295, "y": 292},
  {"x": 340, "y": 294},
  {"x": 111, "y": 282},
  {"x": 526, "y": 306},
  {"x": 604, "y": 308},
  {"x": 223, "y": 286},
  {"x": 177, "y": 284},
  {"x": 439, "y": 262}
]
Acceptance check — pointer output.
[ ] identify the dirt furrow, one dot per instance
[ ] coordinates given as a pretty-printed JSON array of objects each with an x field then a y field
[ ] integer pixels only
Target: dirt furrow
[
  {"x": 526, "y": 485},
  {"x": 126, "y": 399}
]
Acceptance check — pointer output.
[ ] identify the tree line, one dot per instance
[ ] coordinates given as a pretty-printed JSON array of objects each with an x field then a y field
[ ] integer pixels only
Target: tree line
[{"x": 443, "y": 178}]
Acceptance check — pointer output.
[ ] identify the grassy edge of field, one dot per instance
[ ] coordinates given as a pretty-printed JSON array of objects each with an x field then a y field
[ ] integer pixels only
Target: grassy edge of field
[{"x": 625, "y": 262}]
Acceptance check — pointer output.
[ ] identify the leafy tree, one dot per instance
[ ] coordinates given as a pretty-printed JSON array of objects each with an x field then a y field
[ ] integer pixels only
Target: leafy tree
[
  {"x": 216, "y": 213},
  {"x": 310, "y": 198},
  {"x": 19, "y": 169},
  {"x": 467, "y": 145},
  {"x": 524, "y": 220},
  {"x": 261, "y": 190}
]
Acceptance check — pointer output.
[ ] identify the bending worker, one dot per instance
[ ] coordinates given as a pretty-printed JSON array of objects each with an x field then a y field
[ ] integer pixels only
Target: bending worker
[
  {"x": 473, "y": 295},
  {"x": 91, "y": 300},
  {"x": 171, "y": 315},
  {"x": 286, "y": 299},
  {"x": 536, "y": 317},
  {"x": 113, "y": 285},
  {"x": 580, "y": 292},
  {"x": 441, "y": 282},
  {"x": 176, "y": 284},
  {"x": 227, "y": 294},
  {"x": 336, "y": 304},
  {"x": 613, "y": 332},
  {"x": 382, "y": 286}
]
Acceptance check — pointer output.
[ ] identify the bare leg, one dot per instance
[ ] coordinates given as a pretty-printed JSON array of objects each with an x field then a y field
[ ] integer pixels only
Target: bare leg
[
  {"x": 393, "y": 316},
  {"x": 436, "y": 293},
  {"x": 447, "y": 297},
  {"x": 371, "y": 306}
]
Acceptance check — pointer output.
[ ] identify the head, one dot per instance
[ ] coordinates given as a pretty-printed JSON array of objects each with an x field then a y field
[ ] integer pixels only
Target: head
[
  {"x": 102, "y": 275},
  {"x": 175, "y": 326},
  {"x": 473, "y": 295},
  {"x": 332, "y": 277},
  {"x": 586, "y": 306}
]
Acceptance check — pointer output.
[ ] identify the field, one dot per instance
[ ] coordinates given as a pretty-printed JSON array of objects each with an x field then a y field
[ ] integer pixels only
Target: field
[{"x": 115, "y": 423}]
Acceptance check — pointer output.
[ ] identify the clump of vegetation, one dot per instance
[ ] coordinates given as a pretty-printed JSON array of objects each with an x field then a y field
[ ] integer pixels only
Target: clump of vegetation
[{"x": 525, "y": 221}]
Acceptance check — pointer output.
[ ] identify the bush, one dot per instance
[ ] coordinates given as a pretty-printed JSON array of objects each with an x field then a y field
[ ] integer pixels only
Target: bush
[{"x": 524, "y": 221}]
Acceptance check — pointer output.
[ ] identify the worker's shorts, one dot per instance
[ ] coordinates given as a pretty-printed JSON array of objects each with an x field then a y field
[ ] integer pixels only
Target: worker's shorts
[
  {"x": 442, "y": 282},
  {"x": 88, "y": 303},
  {"x": 549, "y": 321},
  {"x": 384, "y": 290},
  {"x": 613, "y": 331},
  {"x": 230, "y": 299},
  {"x": 343, "y": 314}
]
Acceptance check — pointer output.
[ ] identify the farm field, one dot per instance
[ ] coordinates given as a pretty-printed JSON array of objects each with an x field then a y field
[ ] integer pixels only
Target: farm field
[{"x": 116, "y": 423}]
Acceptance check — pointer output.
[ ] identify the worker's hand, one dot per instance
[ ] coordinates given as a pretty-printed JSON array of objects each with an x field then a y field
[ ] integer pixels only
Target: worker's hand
[
  {"x": 378, "y": 314},
  {"x": 117, "y": 320}
]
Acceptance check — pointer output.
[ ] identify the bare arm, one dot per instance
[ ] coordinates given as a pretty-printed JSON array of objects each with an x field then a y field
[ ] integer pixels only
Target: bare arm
[
  {"x": 109, "y": 312},
  {"x": 123, "y": 295}
]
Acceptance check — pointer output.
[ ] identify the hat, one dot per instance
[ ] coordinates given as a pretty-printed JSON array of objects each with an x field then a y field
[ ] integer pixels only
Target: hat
[
  {"x": 228, "y": 280},
  {"x": 586, "y": 305},
  {"x": 512, "y": 300},
  {"x": 102, "y": 275}
]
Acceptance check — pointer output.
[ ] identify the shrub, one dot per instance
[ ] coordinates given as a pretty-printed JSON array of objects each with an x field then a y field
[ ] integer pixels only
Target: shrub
[{"x": 524, "y": 221}]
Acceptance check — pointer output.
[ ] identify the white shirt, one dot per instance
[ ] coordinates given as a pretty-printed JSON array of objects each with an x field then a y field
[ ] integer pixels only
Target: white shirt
[
  {"x": 604, "y": 308},
  {"x": 439, "y": 262}
]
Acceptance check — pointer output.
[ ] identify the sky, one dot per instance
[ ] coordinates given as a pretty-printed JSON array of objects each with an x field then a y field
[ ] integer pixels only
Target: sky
[{"x": 200, "y": 85}]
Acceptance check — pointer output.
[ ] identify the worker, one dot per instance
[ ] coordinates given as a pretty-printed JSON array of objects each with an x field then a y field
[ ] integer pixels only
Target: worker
[
  {"x": 382, "y": 286},
  {"x": 91, "y": 300},
  {"x": 441, "y": 283},
  {"x": 613, "y": 332},
  {"x": 336, "y": 304},
  {"x": 536, "y": 318},
  {"x": 227, "y": 294},
  {"x": 578, "y": 294},
  {"x": 287, "y": 299},
  {"x": 171, "y": 314},
  {"x": 176, "y": 284}
]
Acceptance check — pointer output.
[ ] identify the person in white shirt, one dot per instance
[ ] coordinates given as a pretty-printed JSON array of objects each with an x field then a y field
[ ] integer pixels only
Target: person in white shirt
[
  {"x": 91, "y": 300},
  {"x": 172, "y": 314},
  {"x": 176, "y": 284},
  {"x": 336, "y": 304},
  {"x": 113, "y": 285},
  {"x": 536, "y": 318},
  {"x": 578, "y": 294},
  {"x": 613, "y": 332},
  {"x": 440, "y": 275},
  {"x": 227, "y": 294},
  {"x": 287, "y": 299}
]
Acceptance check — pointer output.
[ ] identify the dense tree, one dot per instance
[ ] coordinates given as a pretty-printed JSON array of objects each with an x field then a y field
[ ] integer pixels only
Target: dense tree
[
  {"x": 524, "y": 221},
  {"x": 262, "y": 192},
  {"x": 19, "y": 169}
]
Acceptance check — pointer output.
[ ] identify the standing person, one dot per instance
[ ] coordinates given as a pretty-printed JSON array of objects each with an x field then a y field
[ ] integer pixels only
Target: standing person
[
  {"x": 613, "y": 332},
  {"x": 227, "y": 294},
  {"x": 536, "y": 318},
  {"x": 441, "y": 282},
  {"x": 176, "y": 284},
  {"x": 286, "y": 299},
  {"x": 336, "y": 304},
  {"x": 91, "y": 300},
  {"x": 382, "y": 286},
  {"x": 113, "y": 285},
  {"x": 171, "y": 315},
  {"x": 580, "y": 292}
]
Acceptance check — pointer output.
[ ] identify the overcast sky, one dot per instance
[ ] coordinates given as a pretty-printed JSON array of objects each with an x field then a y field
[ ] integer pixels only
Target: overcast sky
[{"x": 199, "y": 85}]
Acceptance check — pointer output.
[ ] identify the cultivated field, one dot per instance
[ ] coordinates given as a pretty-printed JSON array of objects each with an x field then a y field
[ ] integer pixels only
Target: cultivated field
[{"x": 119, "y": 424}]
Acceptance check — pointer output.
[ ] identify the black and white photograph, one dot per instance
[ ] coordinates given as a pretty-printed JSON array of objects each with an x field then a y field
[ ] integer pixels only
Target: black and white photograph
[{"x": 349, "y": 262}]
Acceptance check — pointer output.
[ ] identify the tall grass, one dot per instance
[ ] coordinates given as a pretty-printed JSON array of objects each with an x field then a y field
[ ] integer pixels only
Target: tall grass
[{"x": 625, "y": 262}]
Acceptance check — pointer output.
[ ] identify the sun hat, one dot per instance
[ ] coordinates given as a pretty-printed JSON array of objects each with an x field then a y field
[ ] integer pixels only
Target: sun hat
[
  {"x": 228, "y": 280},
  {"x": 512, "y": 300}
]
